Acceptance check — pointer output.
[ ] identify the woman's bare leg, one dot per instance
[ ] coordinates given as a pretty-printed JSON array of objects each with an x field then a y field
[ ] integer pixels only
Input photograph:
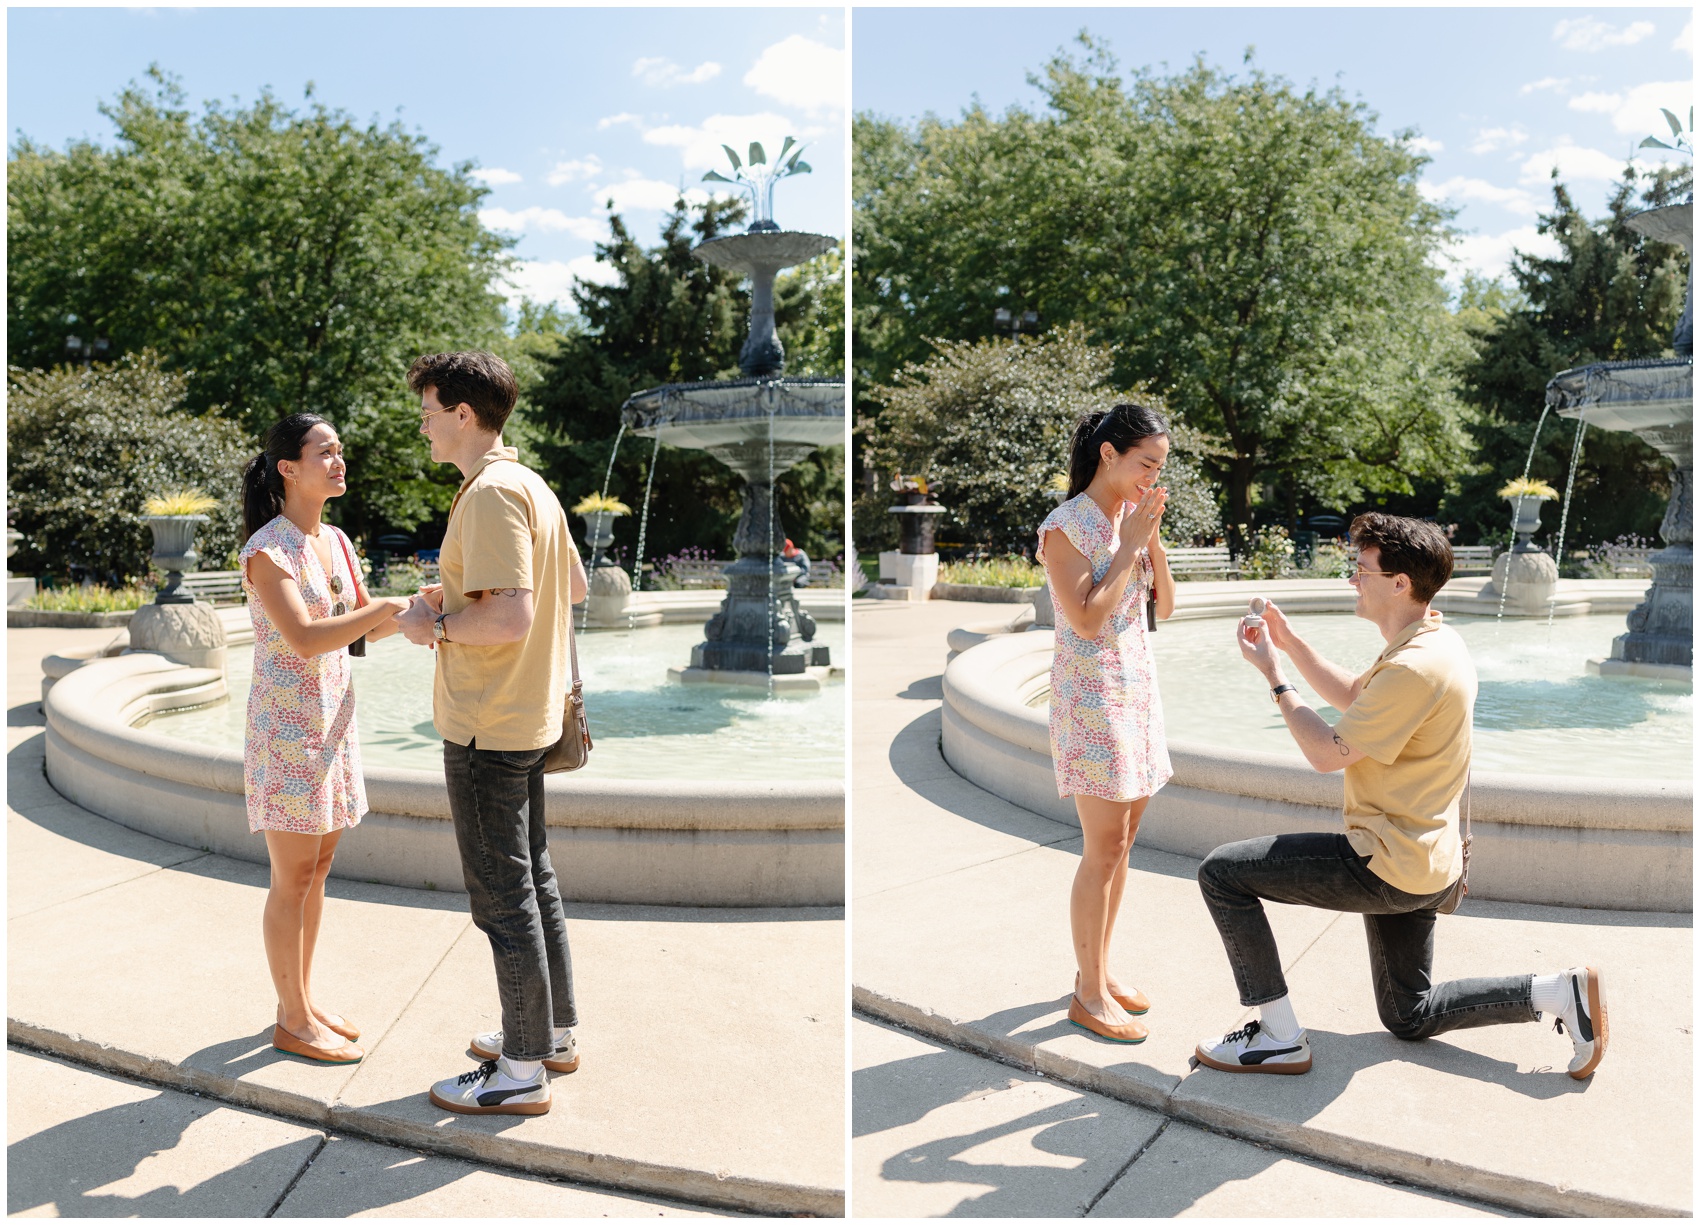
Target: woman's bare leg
[
  {"x": 294, "y": 863},
  {"x": 1105, "y": 827},
  {"x": 311, "y": 913},
  {"x": 1118, "y": 885}
]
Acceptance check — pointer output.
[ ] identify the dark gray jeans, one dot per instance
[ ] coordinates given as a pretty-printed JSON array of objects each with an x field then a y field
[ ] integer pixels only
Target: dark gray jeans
[
  {"x": 496, "y": 799},
  {"x": 1323, "y": 870}
]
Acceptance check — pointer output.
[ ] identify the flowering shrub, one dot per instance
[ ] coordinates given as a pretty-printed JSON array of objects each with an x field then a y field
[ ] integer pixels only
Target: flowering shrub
[{"x": 1270, "y": 554}]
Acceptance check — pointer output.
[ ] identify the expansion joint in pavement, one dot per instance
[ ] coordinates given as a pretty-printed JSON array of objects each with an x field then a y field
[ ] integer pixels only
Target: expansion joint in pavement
[
  {"x": 734, "y": 1192},
  {"x": 1128, "y": 1165},
  {"x": 1349, "y": 1154},
  {"x": 299, "y": 1175},
  {"x": 128, "y": 880}
]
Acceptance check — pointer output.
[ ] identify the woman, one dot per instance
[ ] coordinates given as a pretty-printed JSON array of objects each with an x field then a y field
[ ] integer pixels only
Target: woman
[
  {"x": 302, "y": 754},
  {"x": 1104, "y": 561}
]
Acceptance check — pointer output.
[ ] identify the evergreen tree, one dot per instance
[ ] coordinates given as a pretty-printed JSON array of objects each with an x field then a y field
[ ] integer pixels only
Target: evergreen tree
[{"x": 1609, "y": 295}]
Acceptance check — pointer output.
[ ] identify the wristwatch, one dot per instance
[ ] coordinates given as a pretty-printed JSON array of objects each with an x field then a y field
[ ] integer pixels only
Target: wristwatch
[
  {"x": 1275, "y": 693},
  {"x": 442, "y": 632}
]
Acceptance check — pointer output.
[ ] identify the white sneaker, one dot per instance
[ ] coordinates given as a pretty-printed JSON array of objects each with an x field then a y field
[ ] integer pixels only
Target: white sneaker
[
  {"x": 563, "y": 1059},
  {"x": 488, "y": 1089},
  {"x": 1583, "y": 1020},
  {"x": 1249, "y": 1049}
]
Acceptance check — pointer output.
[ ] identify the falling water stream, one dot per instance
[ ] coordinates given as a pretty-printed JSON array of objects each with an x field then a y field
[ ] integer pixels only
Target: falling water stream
[
  {"x": 1564, "y": 515},
  {"x": 1511, "y": 540},
  {"x": 643, "y": 520},
  {"x": 609, "y": 475}
]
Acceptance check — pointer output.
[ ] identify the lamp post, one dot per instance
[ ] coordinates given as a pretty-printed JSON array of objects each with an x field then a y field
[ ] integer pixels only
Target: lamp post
[{"x": 1015, "y": 323}]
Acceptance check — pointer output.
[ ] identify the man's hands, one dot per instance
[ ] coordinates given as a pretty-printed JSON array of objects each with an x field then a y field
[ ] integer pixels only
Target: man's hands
[
  {"x": 416, "y": 624},
  {"x": 1258, "y": 648}
]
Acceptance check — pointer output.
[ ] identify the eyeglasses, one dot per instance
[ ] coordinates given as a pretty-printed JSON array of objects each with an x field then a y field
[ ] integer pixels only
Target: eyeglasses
[
  {"x": 1360, "y": 572},
  {"x": 339, "y": 607},
  {"x": 424, "y": 417}
]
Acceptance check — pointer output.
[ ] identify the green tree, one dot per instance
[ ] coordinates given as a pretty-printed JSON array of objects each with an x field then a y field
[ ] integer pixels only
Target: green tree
[
  {"x": 285, "y": 260},
  {"x": 989, "y": 423},
  {"x": 1608, "y": 295},
  {"x": 668, "y": 317},
  {"x": 1260, "y": 256},
  {"x": 86, "y": 446}
]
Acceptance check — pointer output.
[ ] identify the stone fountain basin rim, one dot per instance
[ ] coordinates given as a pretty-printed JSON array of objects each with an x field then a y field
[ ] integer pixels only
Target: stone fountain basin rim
[
  {"x": 986, "y": 685},
  {"x": 92, "y": 709}
]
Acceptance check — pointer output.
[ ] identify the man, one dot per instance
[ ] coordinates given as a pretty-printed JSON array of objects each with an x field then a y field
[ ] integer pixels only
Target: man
[
  {"x": 499, "y": 624},
  {"x": 1404, "y": 743},
  {"x": 797, "y": 557}
]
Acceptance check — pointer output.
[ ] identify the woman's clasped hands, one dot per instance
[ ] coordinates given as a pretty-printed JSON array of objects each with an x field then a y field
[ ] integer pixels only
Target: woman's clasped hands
[{"x": 1139, "y": 525}]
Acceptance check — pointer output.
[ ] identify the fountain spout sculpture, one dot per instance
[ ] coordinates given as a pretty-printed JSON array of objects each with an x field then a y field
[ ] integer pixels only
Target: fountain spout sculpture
[
  {"x": 758, "y": 425},
  {"x": 1655, "y": 400}
]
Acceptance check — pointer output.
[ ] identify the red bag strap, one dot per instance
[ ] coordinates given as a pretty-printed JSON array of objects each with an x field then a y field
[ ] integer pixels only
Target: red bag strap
[{"x": 353, "y": 574}]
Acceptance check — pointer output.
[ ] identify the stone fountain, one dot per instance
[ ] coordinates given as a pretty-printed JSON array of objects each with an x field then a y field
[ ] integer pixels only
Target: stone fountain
[
  {"x": 1654, "y": 399},
  {"x": 758, "y": 425}
]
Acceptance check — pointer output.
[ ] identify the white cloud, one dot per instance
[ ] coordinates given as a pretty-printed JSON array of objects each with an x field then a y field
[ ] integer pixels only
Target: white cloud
[
  {"x": 541, "y": 220},
  {"x": 1490, "y": 140},
  {"x": 496, "y": 177},
  {"x": 1575, "y": 164},
  {"x": 700, "y": 146},
  {"x": 1461, "y": 190},
  {"x": 663, "y": 73},
  {"x": 1685, "y": 40},
  {"x": 1592, "y": 34},
  {"x": 552, "y": 280},
  {"x": 1490, "y": 254},
  {"x": 1552, "y": 83},
  {"x": 641, "y": 193},
  {"x": 1636, "y": 113},
  {"x": 1423, "y": 145},
  {"x": 608, "y": 121},
  {"x": 566, "y": 172},
  {"x": 800, "y": 72}
]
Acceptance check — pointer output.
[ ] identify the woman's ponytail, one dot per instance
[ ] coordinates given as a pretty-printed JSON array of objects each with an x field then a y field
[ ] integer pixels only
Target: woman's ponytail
[
  {"x": 1122, "y": 426},
  {"x": 262, "y": 483}
]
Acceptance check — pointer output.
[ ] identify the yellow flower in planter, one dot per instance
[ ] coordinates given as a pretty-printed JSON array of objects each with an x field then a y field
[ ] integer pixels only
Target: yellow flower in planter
[
  {"x": 597, "y": 503},
  {"x": 180, "y": 502},
  {"x": 1525, "y": 487}
]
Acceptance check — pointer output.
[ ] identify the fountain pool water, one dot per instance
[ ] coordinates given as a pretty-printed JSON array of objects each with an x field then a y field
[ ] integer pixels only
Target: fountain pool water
[
  {"x": 1538, "y": 710},
  {"x": 644, "y": 727}
]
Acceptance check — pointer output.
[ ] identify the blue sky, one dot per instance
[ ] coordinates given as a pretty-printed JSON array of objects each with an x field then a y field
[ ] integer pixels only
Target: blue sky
[
  {"x": 561, "y": 108},
  {"x": 1500, "y": 96}
]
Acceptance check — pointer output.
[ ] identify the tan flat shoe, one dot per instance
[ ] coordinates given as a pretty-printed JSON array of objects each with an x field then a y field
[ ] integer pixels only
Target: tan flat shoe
[
  {"x": 1136, "y": 1004},
  {"x": 1130, "y": 1034},
  {"x": 289, "y": 1044},
  {"x": 341, "y": 1025}
]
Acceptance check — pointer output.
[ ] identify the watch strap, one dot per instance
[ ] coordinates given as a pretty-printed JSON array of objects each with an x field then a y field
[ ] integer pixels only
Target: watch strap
[{"x": 1275, "y": 693}]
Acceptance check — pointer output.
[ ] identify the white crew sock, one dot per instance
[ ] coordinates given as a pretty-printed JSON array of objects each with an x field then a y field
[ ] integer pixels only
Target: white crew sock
[
  {"x": 561, "y": 1033},
  {"x": 520, "y": 1069},
  {"x": 1550, "y": 993},
  {"x": 1278, "y": 1019}
]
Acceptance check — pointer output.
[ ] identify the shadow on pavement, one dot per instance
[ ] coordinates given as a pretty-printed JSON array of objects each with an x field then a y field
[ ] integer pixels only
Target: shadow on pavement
[
  {"x": 26, "y": 714},
  {"x": 927, "y": 689}
]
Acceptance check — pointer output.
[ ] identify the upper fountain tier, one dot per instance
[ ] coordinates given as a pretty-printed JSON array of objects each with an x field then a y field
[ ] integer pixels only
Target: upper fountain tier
[{"x": 755, "y": 426}]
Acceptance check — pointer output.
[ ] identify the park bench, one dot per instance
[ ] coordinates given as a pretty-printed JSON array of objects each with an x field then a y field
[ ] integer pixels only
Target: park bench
[
  {"x": 1472, "y": 559},
  {"x": 689, "y": 573},
  {"x": 1201, "y": 563},
  {"x": 1627, "y": 561},
  {"x": 214, "y": 586}
]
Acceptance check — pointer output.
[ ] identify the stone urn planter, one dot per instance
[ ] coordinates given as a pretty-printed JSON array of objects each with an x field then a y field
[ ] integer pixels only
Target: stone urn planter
[
  {"x": 599, "y": 534},
  {"x": 1525, "y": 520},
  {"x": 174, "y": 552}
]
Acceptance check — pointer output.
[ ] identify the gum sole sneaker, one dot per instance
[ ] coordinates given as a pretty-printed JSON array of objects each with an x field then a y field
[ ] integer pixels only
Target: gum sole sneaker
[
  {"x": 1130, "y": 1034},
  {"x": 1249, "y": 1049},
  {"x": 565, "y": 1058},
  {"x": 289, "y": 1044},
  {"x": 1584, "y": 1021},
  {"x": 489, "y": 1090},
  {"x": 1136, "y": 1004}
]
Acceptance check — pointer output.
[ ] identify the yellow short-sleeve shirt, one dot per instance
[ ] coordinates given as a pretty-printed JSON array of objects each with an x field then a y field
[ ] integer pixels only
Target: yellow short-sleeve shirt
[
  {"x": 1411, "y": 719},
  {"x": 506, "y": 529}
]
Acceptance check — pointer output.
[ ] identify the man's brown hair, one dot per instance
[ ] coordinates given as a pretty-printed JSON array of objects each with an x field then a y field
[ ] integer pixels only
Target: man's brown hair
[
  {"x": 480, "y": 380},
  {"x": 1415, "y": 548}
]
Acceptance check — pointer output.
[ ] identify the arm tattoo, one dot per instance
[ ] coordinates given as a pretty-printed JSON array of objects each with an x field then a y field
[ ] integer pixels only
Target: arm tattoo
[
  {"x": 504, "y": 591},
  {"x": 1345, "y": 749}
]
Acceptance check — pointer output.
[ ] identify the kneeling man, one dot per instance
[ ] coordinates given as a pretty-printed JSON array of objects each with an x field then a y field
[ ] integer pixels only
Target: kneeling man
[{"x": 1404, "y": 743}]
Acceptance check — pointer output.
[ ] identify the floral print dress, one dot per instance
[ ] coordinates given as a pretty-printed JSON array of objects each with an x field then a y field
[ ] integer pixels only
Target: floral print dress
[
  {"x": 301, "y": 755},
  {"x": 1107, "y": 735}
]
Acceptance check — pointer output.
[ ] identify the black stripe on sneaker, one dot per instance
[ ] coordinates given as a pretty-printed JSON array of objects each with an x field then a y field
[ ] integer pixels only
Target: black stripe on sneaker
[
  {"x": 495, "y": 1097},
  {"x": 1260, "y": 1056},
  {"x": 1584, "y": 1023}
]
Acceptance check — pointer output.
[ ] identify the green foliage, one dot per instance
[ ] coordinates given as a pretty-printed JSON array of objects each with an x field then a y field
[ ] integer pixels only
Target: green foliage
[
  {"x": 811, "y": 297},
  {"x": 1328, "y": 560},
  {"x": 93, "y": 598},
  {"x": 1269, "y": 555},
  {"x": 87, "y": 445},
  {"x": 401, "y": 578},
  {"x": 668, "y": 317},
  {"x": 1257, "y": 254},
  {"x": 989, "y": 424},
  {"x": 1007, "y": 571},
  {"x": 1609, "y": 295},
  {"x": 286, "y": 260}
]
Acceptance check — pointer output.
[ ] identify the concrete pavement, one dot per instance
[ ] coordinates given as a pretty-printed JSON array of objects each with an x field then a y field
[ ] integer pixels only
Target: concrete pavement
[
  {"x": 713, "y": 1040},
  {"x": 961, "y": 935}
]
